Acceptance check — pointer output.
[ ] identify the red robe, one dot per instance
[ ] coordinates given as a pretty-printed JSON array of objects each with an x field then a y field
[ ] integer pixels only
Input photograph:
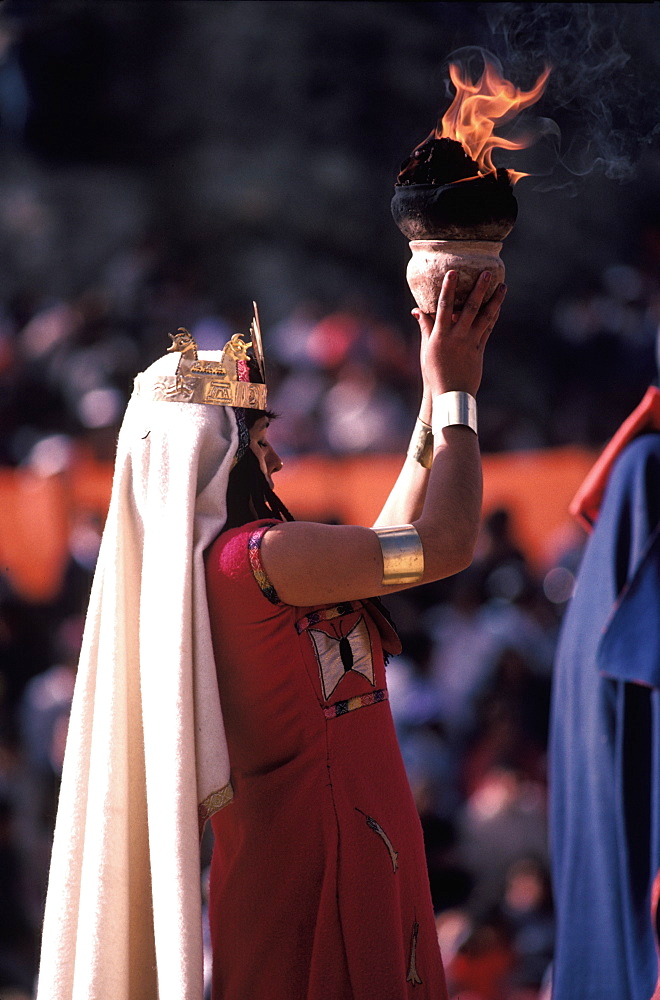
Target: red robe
[{"x": 319, "y": 889}]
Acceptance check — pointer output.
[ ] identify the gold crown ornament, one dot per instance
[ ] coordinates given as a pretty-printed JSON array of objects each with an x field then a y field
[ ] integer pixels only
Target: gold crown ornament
[{"x": 219, "y": 383}]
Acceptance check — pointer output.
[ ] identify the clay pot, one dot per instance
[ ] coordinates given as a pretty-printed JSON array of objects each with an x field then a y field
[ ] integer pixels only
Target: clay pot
[{"x": 431, "y": 259}]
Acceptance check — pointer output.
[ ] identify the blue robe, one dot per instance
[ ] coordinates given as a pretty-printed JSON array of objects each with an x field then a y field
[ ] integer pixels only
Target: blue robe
[{"x": 605, "y": 746}]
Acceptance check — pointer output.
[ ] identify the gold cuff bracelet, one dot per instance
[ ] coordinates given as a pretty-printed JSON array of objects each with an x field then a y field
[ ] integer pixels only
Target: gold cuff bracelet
[
  {"x": 451, "y": 408},
  {"x": 420, "y": 448},
  {"x": 403, "y": 555}
]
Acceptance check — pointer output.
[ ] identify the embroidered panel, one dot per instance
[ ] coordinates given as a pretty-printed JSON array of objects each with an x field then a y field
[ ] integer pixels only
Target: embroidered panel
[
  {"x": 256, "y": 565},
  {"x": 339, "y": 654},
  {"x": 351, "y": 704},
  {"x": 327, "y": 614}
]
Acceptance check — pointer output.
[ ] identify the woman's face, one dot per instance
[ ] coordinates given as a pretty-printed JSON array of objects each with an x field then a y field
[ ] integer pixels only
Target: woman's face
[{"x": 269, "y": 461}]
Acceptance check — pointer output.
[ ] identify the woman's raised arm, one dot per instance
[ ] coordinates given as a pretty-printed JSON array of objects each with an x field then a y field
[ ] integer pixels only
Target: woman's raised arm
[{"x": 311, "y": 564}]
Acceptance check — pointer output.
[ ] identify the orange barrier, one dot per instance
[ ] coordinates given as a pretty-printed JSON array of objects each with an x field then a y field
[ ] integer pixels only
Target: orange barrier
[
  {"x": 39, "y": 513},
  {"x": 535, "y": 486},
  {"x": 33, "y": 532}
]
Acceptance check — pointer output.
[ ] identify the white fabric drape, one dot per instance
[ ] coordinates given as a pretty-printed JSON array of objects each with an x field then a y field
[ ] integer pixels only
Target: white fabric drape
[{"x": 146, "y": 741}]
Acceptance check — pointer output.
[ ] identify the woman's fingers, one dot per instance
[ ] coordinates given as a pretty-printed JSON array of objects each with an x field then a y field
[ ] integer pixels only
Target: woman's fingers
[
  {"x": 474, "y": 320},
  {"x": 425, "y": 322},
  {"x": 489, "y": 315},
  {"x": 444, "y": 315},
  {"x": 474, "y": 302}
]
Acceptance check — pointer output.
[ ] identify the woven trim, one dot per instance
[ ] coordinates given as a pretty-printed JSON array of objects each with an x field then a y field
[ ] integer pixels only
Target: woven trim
[
  {"x": 213, "y": 803},
  {"x": 327, "y": 614},
  {"x": 256, "y": 565},
  {"x": 243, "y": 434},
  {"x": 360, "y": 701}
]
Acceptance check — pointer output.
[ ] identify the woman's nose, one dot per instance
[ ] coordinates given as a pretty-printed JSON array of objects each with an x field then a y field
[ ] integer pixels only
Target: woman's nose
[{"x": 275, "y": 463}]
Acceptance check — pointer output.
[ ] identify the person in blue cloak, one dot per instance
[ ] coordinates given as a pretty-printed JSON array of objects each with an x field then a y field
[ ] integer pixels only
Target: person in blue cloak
[{"x": 605, "y": 731}]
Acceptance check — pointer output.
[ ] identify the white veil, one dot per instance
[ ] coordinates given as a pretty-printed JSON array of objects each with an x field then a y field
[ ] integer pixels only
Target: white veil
[{"x": 146, "y": 759}]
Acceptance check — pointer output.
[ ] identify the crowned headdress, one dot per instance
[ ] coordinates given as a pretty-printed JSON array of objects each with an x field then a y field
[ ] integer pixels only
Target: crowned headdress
[{"x": 230, "y": 380}]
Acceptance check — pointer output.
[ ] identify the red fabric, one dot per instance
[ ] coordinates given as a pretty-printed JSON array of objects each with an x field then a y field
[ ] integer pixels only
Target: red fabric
[
  {"x": 305, "y": 901},
  {"x": 655, "y": 918},
  {"x": 586, "y": 503}
]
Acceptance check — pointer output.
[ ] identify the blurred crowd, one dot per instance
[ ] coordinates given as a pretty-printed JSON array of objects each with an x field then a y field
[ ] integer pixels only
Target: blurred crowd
[
  {"x": 471, "y": 692},
  {"x": 471, "y": 697}
]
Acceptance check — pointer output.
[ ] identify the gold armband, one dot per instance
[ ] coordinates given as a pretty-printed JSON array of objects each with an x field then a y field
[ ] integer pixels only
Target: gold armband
[
  {"x": 420, "y": 448},
  {"x": 451, "y": 408},
  {"x": 403, "y": 555}
]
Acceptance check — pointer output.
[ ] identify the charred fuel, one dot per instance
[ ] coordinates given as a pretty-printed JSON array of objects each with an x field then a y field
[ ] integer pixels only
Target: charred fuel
[{"x": 440, "y": 195}]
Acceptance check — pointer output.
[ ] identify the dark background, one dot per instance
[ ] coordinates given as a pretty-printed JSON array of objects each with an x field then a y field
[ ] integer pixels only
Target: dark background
[{"x": 252, "y": 146}]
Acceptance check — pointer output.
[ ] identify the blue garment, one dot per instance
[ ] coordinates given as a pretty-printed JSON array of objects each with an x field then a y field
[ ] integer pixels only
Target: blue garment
[{"x": 605, "y": 746}]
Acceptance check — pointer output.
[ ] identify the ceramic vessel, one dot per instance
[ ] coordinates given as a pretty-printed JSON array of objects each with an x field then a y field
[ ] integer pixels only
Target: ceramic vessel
[{"x": 431, "y": 259}]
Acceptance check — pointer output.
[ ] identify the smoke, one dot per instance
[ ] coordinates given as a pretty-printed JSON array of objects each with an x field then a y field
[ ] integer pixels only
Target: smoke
[{"x": 604, "y": 90}]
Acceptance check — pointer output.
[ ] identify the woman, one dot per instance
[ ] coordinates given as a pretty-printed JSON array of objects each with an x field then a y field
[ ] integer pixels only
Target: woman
[{"x": 318, "y": 886}]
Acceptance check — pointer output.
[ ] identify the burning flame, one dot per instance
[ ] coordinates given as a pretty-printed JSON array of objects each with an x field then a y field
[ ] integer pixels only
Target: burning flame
[{"x": 478, "y": 107}]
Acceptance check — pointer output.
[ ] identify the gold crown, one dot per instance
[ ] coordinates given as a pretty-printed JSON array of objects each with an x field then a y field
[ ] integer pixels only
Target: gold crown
[{"x": 215, "y": 382}]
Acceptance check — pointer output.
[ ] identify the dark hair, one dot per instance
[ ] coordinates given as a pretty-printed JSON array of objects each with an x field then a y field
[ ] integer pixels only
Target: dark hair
[{"x": 249, "y": 497}]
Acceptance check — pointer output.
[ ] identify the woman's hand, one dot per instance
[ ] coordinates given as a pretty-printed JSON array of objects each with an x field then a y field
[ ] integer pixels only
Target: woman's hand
[{"x": 453, "y": 345}]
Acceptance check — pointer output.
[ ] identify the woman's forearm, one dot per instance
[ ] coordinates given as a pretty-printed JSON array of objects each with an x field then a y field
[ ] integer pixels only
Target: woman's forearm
[
  {"x": 449, "y": 522},
  {"x": 406, "y": 499}
]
